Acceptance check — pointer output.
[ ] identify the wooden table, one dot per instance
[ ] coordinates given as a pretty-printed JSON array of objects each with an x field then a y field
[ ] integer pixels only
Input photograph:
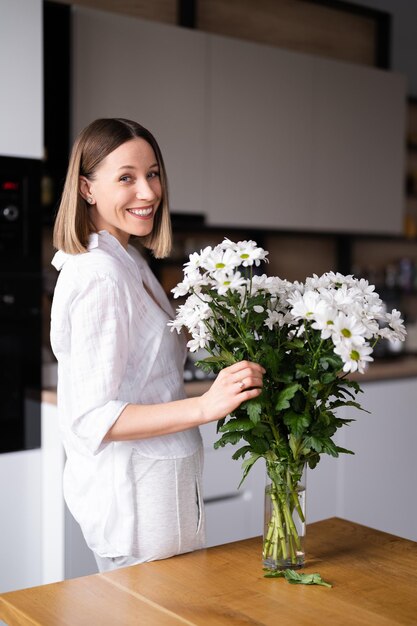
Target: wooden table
[{"x": 374, "y": 578}]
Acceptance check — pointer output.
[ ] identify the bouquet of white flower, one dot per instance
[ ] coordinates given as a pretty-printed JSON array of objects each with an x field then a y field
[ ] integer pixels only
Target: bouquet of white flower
[{"x": 308, "y": 337}]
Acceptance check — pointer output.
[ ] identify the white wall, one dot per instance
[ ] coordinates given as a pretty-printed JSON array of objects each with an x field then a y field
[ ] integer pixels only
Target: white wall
[{"x": 21, "y": 102}]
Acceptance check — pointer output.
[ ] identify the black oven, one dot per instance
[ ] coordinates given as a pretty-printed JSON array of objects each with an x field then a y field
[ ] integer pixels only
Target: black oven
[{"x": 20, "y": 304}]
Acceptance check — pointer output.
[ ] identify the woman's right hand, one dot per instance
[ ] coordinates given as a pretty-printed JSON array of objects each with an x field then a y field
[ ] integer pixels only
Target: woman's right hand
[{"x": 233, "y": 385}]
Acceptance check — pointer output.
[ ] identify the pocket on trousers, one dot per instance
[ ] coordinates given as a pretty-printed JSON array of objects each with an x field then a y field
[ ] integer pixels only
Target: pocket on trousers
[{"x": 200, "y": 505}]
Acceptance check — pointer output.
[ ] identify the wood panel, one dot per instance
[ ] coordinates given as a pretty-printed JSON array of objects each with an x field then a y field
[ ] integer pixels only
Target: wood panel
[
  {"x": 293, "y": 24},
  {"x": 157, "y": 10}
]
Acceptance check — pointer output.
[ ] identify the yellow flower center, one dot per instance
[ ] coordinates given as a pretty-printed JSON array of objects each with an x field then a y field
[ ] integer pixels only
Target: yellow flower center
[{"x": 354, "y": 355}]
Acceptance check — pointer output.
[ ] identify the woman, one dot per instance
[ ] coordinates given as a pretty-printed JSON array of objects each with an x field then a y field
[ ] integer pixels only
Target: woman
[{"x": 134, "y": 453}]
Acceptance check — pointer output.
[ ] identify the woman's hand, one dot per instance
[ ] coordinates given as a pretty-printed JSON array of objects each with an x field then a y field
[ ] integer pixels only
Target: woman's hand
[{"x": 233, "y": 385}]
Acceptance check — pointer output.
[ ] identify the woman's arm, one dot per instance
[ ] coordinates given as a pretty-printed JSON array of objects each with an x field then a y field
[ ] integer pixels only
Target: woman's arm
[{"x": 234, "y": 384}]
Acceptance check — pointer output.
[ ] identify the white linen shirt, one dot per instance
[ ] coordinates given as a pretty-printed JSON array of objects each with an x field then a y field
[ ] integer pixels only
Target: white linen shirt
[{"x": 113, "y": 347}]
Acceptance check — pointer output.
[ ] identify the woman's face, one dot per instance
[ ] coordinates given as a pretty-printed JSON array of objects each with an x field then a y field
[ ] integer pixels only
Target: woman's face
[{"x": 126, "y": 191}]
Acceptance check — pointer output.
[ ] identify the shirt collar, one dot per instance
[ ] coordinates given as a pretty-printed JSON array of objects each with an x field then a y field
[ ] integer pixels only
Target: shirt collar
[{"x": 103, "y": 239}]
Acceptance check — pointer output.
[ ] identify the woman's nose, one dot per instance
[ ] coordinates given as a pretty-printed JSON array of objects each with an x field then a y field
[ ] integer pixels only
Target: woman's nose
[{"x": 144, "y": 190}]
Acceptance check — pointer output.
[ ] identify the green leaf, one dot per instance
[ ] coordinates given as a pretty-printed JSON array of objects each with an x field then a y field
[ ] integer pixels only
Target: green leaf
[
  {"x": 247, "y": 466},
  {"x": 254, "y": 409},
  {"x": 227, "y": 438},
  {"x": 333, "y": 360},
  {"x": 296, "y": 578},
  {"x": 286, "y": 395},
  {"x": 241, "y": 452},
  {"x": 313, "y": 442},
  {"x": 241, "y": 424},
  {"x": 343, "y": 450},
  {"x": 328, "y": 377},
  {"x": 296, "y": 422}
]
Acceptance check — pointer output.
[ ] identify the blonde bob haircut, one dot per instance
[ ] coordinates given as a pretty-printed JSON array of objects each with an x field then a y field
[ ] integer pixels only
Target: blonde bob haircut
[{"x": 73, "y": 225}]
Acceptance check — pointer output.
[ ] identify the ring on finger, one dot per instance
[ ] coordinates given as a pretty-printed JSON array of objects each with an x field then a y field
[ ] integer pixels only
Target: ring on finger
[{"x": 241, "y": 384}]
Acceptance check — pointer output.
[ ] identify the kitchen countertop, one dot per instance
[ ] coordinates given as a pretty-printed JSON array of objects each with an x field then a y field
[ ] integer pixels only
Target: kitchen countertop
[
  {"x": 383, "y": 369},
  {"x": 372, "y": 573}
]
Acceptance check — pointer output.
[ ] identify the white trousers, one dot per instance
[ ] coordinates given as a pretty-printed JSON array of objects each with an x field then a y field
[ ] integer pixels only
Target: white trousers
[{"x": 169, "y": 510}]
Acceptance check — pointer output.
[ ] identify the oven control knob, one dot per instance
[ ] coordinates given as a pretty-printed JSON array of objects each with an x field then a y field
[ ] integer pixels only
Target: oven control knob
[{"x": 10, "y": 213}]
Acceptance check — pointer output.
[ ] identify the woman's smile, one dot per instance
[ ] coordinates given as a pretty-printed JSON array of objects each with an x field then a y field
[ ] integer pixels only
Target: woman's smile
[{"x": 143, "y": 213}]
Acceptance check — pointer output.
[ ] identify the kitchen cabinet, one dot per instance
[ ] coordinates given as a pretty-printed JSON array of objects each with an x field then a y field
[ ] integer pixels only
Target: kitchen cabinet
[
  {"x": 64, "y": 551},
  {"x": 21, "y": 105},
  {"x": 260, "y": 135},
  {"x": 376, "y": 485},
  {"x": 301, "y": 142},
  {"x": 232, "y": 513},
  {"x": 20, "y": 520},
  {"x": 357, "y": 174},
  {"x": 252, "y": 135},
  {"x": 154, "y": 74},
  {"x": 373, "y": 486}
]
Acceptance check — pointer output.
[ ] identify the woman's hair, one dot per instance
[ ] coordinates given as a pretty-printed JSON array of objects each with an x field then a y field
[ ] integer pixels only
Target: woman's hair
[{"x": 73, "y": 224}]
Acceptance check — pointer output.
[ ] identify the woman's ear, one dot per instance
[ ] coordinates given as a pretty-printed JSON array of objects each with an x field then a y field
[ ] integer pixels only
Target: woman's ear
[{"x": 85, "y": 191}]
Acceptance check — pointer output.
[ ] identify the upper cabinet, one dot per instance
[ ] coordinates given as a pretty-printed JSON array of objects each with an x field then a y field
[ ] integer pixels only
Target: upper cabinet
[
  {"x": 154, "y": 74},
  {"x": 300, "y": 142},
  {"x": 259, "y": 135},
  {"x": 21, "y": 104},
  {"x": 358, "y": 156},
  {"x": 252, "y": 135}
]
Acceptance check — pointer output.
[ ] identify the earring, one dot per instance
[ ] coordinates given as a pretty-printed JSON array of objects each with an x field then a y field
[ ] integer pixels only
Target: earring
[{"x": 90, "y": 200}]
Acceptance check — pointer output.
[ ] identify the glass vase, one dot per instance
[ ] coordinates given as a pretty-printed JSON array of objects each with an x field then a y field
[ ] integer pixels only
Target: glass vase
[{"x": 284, "y": 518}]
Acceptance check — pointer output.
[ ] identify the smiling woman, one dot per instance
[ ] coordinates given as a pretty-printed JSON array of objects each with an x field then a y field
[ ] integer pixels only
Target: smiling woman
[
  {"x": 116, "y": 170},
  {"x": 124, "y": 198},
  {"x": 134, "y": 451}
]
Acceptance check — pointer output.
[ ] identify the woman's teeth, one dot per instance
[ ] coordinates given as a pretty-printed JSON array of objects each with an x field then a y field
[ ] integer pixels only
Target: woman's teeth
[{"x": 141, "y": 212}]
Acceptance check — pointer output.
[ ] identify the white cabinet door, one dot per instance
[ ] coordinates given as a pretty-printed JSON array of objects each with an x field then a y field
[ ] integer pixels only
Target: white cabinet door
[
  {"x": 300, "y": 142},
  {"x": 154, "y": 74},
  {"x": 358, "y": 158},
  {"x": 377, "y": 484},
  {"x": 260, "y": 135},
  {"x": 20, "y": 520},
  {"x": 21, "y": 104},
  {"x": 232, "y": 514}
]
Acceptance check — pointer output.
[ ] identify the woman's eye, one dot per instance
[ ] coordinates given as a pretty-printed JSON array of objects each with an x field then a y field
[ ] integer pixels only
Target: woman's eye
[
  {"x": 125, "y": 179},
  {"x": 153, "y": 174}
]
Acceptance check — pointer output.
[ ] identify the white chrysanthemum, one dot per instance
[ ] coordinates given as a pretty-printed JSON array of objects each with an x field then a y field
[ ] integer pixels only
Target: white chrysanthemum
[
  {"x": 225, "y": 281},
  {"x": 343, "y": 297},
  {"x": 221, "y": 260},
  {"x": 371, "y": 326},
  {"x": 355, "y": 357},
  {"x": 397, "y": 324},
  {"x": 197, "y": 261},
  {"x": 193, "y": 281},
  {"x": 190, "y": 314},
  {"x": 274, "y": 318},
  {"x": 324, "y": 318},
  {"x": 249, "y": 253},
  {"x": 348, "y": 329},
  {"x": 337, "y": 279},
  {"x": 196, "y": 343},
  {"x": 304, "y": 305},
  {"x": 317, "y": 282}
]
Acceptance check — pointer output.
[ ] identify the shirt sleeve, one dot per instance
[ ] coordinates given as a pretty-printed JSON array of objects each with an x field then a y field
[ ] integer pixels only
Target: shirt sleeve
[{"x": 99, "y": 344}]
